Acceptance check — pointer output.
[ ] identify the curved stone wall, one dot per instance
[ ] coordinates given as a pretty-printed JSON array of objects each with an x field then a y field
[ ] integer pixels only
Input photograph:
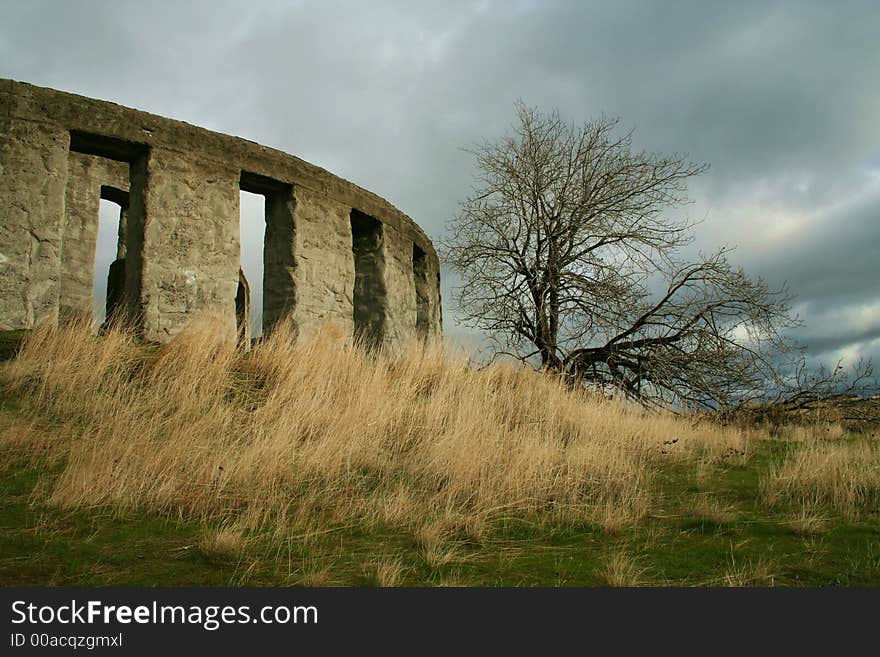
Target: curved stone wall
[{"x": 333, "y": 251}]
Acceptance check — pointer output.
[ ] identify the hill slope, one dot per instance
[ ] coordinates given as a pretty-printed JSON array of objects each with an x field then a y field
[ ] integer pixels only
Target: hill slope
[{"x": 314, "y": 462}]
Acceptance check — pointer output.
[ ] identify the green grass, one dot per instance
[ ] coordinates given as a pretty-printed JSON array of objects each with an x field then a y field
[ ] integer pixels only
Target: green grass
[
  {"x": 44, "y": 546},
  {"x": 707, "y": 526}
]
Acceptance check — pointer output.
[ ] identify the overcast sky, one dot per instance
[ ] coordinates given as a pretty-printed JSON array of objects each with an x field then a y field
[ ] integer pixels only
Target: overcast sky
[{"x": 782, "y": 99}]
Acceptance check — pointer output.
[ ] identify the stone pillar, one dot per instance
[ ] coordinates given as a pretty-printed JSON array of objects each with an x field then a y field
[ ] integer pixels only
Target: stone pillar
[
  {"x": 279, "y": 262},
  {"x": 33, "y": 173},
  {"x": 243, "y": 310},
  {"x": 325, "y": 265},
  {"x": 115, "y": 291},
  {"x": 191, "y": 243},
  {"x": 120, "y": 233},
  {"x": 422, "y": 291},
  {"x": 134, "y": 242},
  {"x": 401, "y": 306},
  {"x": 435, "y": 304}
]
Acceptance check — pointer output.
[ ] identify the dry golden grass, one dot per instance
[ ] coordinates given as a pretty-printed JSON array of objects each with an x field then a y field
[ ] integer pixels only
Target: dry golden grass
[
  {"x": 621, "y": 570},
  {"x": 313, "y": 574},
  {"x": 450, "y": 581},
  {"x": 385, "y": 572},
  {"x": 845, "y": 477},
  {"x": 762, "y": 573},
  {"x": 22, "y": 439},
  {"x": 226, "y": 542},
  {"x": 808, "y": 522},
  {"x": 437, "y": 544},
  {"x": 302, "y": 435},
  {"x": 811, "y": 432}
]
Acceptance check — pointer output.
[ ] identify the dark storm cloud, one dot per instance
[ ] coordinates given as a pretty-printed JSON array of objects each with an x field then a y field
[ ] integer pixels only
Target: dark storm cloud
[{"x": 781, "y": 98}]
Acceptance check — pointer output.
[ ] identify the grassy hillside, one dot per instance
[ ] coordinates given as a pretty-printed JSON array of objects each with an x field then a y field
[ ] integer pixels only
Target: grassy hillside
[{"x": 312, "y": 462}]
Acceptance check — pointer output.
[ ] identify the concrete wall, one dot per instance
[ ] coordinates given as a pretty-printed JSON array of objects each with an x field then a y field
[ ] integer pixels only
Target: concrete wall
[
  {"x": 33, "y": 174},
  {"x": 181, "y": 240}
]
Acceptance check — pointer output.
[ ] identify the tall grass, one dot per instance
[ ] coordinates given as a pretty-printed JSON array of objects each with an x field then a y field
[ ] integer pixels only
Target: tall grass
[
  {"x": 844, "y": 477},
  {"x": 306, "y": 434}
]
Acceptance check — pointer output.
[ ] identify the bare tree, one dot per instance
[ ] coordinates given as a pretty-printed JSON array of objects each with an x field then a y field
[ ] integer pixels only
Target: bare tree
[
  {"x": 567, "y": 254},
  {"x": 847, "y": 395}
]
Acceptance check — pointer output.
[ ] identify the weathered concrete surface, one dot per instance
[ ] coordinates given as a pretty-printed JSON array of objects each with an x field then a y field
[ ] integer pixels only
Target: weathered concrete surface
[
  {"x": 181, "y": 227},
  {"x": 191, "y": 249},
  {"x": 243, "y": 310},
  {"x": 324, "y": 274},
  {"x": 33, "y": 174},
  {"x": 115, "y": 290}
]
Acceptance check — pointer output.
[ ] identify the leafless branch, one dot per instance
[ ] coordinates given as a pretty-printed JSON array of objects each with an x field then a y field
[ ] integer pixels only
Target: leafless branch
[{"x": 566, "y": 233}]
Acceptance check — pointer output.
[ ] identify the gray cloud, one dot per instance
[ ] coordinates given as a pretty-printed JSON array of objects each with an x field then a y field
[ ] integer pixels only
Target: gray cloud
[{"x": 781, "y": 98}]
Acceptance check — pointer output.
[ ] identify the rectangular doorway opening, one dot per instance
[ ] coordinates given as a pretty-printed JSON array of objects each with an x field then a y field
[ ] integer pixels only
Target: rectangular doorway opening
[
  {"x": 369, "y": 279},
  {"x": 266, "y": 289},
  {"x": 249, "y": 296},
  {"x": 110, "y": 251},
  {"x": 102, "y": 242}
]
